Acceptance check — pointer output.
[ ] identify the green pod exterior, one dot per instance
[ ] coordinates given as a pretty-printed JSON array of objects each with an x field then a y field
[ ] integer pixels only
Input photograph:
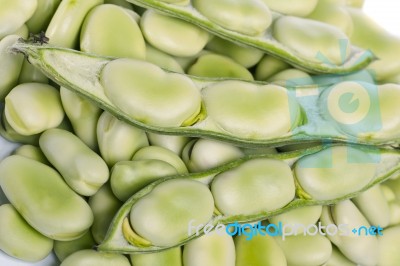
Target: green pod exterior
[
  {"x": 18, "y": 239},
  {"x": 123, "y": 238},
  {"x": 251, "y": 28},
  {"x": 42, "y": 197},
  {"x": 83, "y": 169},
  {"x": 171, "y": 257},
  {"x": 213, "y": 108},
  {"x": 91, "y": 257}
]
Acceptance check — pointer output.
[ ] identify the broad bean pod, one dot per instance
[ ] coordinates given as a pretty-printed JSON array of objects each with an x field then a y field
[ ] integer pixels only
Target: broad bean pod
[
  {"x": 235, "y": 198},
  {"x": 135, "y": 92},
  {"x": 286, "y": 37}
]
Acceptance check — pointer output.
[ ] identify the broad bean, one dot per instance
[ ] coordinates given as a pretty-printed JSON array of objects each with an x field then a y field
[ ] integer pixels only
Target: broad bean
[
  {"x": 117, "y": 140},
  {"x": 211, "y": 250},
  {"x": 170, "y": 257},
  {"x": 91, "y": 257},
  {"x": 43, "y": 199},
  {"x": 19, "y": 239},
  {"x": 32, "y": 108},
  {"x": 83, "y": 169}
]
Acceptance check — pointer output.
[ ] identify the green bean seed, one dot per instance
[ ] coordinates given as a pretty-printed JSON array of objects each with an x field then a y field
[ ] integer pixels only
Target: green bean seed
[
  {"x": 163, "y": 215},
  {"x": 10, "y": 66},
  {"x": 373, "y": 117},
  {"x": 172, "y": 35},
  {"x": 334, "y": 14},
  {"x": 214, "y": 66},
  {"x": 304, "y": 216},
  {"x": 128, "y": 177},
  {"x": 83, "y": 115},
  {"x": 212, "y": 250},
  {"x": 32, "y": 152},
  {"x": 251, "y": 17},
  {"x": 64, "y": 27},
  {"x": 374, "y": 206},
  {"x": 170, "y": 257},
  {"x": 117, "y": 140},
  {"x": 269, "y": 66},
  {"x": 362, "y": 249},
  {"x": 268, "y": 112},
  {"x": 388, "y": 247},
  {"x": 161, "y": 154},
  {"x": 41, "y": 18},
  {"x": 31, "y": 108},
  {"x": 162, "y": 59},
  {"x": 104, "y": 205},
  {"x": 63, "y": 249},
  {"x": 245, "y": 56},
  {"x": 255, "y": 186},
  {"x": 335, "y": 172},
  {"x": 13, "y": 14},
  {"x": 203, "y": 154},
  {"x": 312, "y": 39},
  {"x": 259, "y": 251},
  {"x": 42, "y": 197},
  {"x": 299, "y": 8},
  {"x": 338, "y": 259},
  {"x": 91, "y": 257},
  {"x": 170, "y": 142},
  {"x": 98, "y": 34},
  {"x": 291, "y": 78},
  {"x": 310, "y": 250},
  {"x": 30, "y": 73},
  {"x": 18, "y": 239},
  {"x": 149, "y": 94},
  {"x": 83, "y": 170}
]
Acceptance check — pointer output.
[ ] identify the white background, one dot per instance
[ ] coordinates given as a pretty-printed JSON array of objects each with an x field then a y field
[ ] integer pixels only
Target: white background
[{"x": 386, "y": 13}]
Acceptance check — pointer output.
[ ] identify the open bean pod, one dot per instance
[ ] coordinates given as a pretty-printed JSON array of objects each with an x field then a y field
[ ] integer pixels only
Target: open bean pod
[
  {"x": 174, "y": 210},
  {"x": 251, "y": 23},
  {"x": 160, "y": 101}
]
